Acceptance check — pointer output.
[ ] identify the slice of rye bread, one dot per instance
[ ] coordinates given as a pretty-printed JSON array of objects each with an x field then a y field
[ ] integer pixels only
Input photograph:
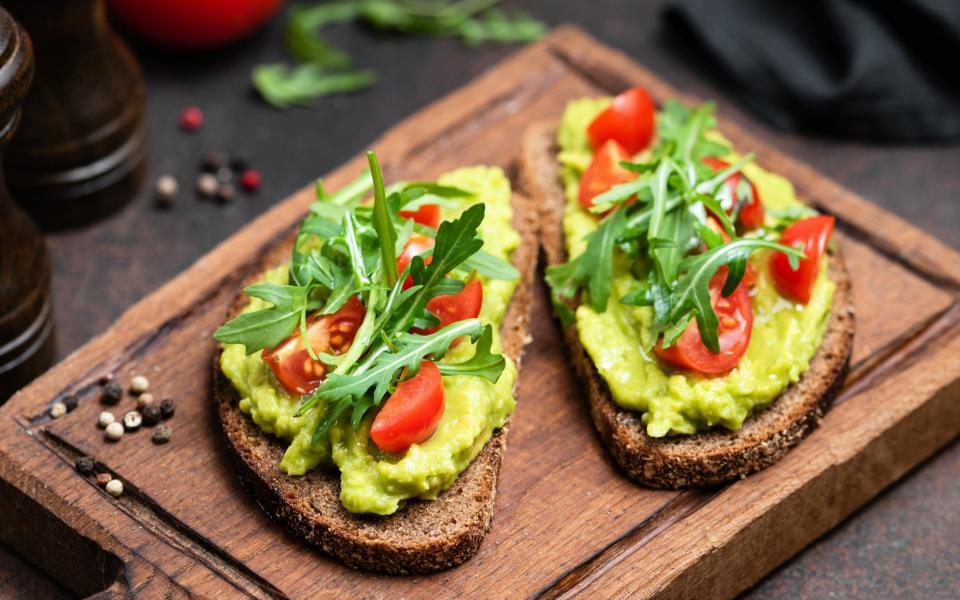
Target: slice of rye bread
[
  {"x": 421, "y": 537},
  {"x": 714, "y": 456}
]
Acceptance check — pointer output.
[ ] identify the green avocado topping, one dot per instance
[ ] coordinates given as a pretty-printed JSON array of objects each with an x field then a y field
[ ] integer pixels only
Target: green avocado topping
[{"x": 619, "y": 335}]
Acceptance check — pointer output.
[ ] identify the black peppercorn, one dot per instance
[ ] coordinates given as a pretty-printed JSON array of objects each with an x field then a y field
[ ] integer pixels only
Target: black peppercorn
[
  {"x": 167, "y": 408},
  {"x": 226, "y": 193},
  {"x": 161, "y": 435},
  {"x": 85, "y": 465},
  {"x": 239, "y": 164},
  {"x": 112, "y": 393},
  {"x": 70, "y": 402},
  {"x": 213, "y": 161},
  {"x": 151, "y": 414}
]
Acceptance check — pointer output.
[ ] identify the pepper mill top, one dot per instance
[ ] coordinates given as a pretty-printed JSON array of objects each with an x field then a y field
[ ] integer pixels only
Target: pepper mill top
[{"x": 16, "y": 73}]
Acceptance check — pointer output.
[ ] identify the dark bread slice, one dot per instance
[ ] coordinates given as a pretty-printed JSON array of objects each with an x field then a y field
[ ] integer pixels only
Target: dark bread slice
[
  {"x": 711, "y": 457},
  {"x": 423, "y": 536}
]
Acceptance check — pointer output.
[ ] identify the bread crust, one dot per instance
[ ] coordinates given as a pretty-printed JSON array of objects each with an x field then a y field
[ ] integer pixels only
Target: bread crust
[
  {"x": 707, "y": 458},
  {"x": 423, "y": 536}
]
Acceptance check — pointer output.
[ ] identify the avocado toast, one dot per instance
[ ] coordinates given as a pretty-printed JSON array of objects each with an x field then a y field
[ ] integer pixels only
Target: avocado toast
[
  {"x": 431, "y": 497},
  {"x": 667, "y": 425}
]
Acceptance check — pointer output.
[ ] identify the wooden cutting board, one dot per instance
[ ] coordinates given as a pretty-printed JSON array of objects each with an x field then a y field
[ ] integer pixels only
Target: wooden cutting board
[{"x": 566, "y": 521}]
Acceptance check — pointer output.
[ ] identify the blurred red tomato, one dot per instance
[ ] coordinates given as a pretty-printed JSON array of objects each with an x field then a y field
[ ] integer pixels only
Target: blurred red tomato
[{"x": 193, "y": 24}]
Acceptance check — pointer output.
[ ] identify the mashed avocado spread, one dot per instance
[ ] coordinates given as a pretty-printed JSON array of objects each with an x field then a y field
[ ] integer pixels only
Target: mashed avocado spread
[
  {"x": 371, "y": 481},
  {"x": 785, "y": 335}
]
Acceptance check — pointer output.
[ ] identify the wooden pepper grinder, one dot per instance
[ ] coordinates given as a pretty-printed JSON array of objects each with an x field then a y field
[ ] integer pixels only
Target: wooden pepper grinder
[
  {"x": 80, "y": 149},
  {"x": 26, "y": 322}
]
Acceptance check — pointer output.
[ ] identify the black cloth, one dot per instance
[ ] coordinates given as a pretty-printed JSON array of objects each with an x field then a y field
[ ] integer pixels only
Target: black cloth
[{"x": 882, "y": 70}]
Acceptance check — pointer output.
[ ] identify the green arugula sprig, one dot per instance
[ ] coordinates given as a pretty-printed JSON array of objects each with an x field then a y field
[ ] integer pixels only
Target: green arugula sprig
[
  {"x": 344, "y": 249},
  {"x": 323, "y": 69},
  {"x": 659, "y": 221}
]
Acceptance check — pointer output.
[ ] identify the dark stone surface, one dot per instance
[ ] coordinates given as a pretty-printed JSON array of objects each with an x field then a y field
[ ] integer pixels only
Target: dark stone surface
[{"x": 903, "y": 544}]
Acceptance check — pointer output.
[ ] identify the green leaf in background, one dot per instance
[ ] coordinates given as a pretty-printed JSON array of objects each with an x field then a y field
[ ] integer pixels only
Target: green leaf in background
[
  {"x": 284, "y": 86},
  {"x": 324, "y": 70}
]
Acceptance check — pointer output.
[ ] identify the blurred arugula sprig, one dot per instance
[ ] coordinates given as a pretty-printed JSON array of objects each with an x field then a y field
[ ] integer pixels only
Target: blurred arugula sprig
[{"x": 323, "y": 69}]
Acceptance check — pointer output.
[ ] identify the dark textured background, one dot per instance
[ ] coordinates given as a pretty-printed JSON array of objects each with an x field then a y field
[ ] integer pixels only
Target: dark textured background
[{"x": 903, "y": 544}]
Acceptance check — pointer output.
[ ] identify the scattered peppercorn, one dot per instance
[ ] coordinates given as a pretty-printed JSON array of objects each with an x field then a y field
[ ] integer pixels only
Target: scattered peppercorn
[
  {"x": 70, "y": 402},
  {"x": 132, "y": 420},
  {"x": 226, "y": 193},
  {"x": 167, "y": 407},
  {"x": 57, "y": 410},
  {"x": 114, "y": 431},
  {"x": 224, "y": 174},
  {"x": 145, "y": 399},
  {"x": 103, "y": 479},
  {"x": 114, "y": 488},
  {"x": 165, "y": 191},
  {"x": 112, "y": 393},
  {"x": 191, "y": 118},
  {"x": 105, "y": 419},
  {"x": 250, "y": 180},
  {"x": 161, "y": 435},
  {"x": 85, "y": 465},
  {"x": 106, "y": 378},
  {"x": 151, "y": 414},
  {"x": 213, "y": 161},
  {"x": 139, "y": 384},
  {"x": 207, "y": 185}
]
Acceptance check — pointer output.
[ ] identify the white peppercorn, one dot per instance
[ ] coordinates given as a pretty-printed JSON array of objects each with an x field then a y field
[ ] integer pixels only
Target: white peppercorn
[
  {"x": 144, "y": 400},
  {"x": 106, "y": 418},
  {"x": 207, "y": 185},
  {"x": 57, "y": 410},
  {"x": 115, "y": 487},
  {"x": 139, "y": 384},
  {"x": 132, "y": 420},
  {"x": 165, "y": 191},
  {"x": 114, "y": 431}
]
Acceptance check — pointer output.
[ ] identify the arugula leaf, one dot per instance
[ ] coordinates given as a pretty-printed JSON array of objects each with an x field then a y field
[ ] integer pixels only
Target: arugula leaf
[
  {"x": 386, "y": 231},
  {"x": 593, "y": 269},
  {"x": 284, "y": 86},
  {"x": 323, "y": 69},
  {"x": 691, "y": 294},
  {"x": 483, "y": 363},
  {"x": 456, "y": 241},
  {"x": 268, "y": 327}
]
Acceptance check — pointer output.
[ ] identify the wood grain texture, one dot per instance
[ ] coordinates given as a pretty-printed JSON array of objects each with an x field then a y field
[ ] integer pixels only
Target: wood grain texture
[{"x": 566, "y": 521}]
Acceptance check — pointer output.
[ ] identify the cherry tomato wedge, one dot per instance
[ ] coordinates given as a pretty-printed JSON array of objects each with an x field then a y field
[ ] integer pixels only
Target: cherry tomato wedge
[
  {"x": 417, "y": 244},
  {"x": 750, "y": 213},
  {"x": 332, "y": 334},
  {"x": 736, "y": 323},
  {"x": 411, "y": 415},
  {"x": 604, "y": 172},
  {"x": 629, "y": 120},
  {"x": 451, "y": 308},
  {"x": 428, "y": 214},
  {"x": 813, "y": 233}
]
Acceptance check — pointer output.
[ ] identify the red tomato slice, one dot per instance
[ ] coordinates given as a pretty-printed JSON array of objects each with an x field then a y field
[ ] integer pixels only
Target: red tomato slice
[
  {"x": 428, "y": 214},
  {"x": 604, "y": 172},
  {"x": 451, "y": 308},
  {"x": 332, "y": 334},
  {"x": 736, "y": 323},
  {"x": 193, "y": 24},
  {"x": 411, "y": 415},
  {"x": 629, "y": 120},
  {"x": 751, "y": 208},
  {"x": 813, "y": 233},
  {"x": 417, "y": 244}
]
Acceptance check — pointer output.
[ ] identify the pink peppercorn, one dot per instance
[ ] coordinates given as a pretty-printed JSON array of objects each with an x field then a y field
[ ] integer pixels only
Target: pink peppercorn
[
  {"x": 250, "y": 180},
  {"x": 191, "y": 118}
]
